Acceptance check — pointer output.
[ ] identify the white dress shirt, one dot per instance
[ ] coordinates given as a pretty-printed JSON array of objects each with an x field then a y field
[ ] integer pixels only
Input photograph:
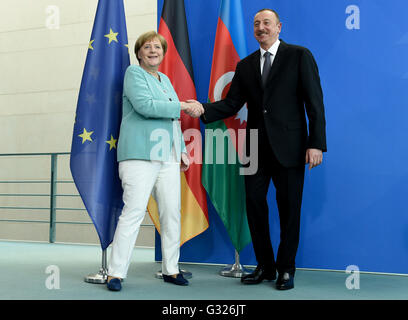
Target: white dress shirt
[{"x": 273, "y": 49}]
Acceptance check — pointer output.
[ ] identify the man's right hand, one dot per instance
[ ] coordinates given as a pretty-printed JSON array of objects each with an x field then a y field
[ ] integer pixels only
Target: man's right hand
[{"x": 193, "y": 108}]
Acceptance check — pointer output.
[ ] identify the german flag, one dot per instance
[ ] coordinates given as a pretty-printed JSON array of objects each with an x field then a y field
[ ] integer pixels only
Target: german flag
[{"x": 177, "y": 65}]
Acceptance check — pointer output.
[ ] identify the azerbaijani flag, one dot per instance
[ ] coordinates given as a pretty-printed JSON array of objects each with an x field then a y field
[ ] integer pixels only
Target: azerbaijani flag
[
  {"x": 224, "y": 184},
  {"x": 177, "y": 65}
]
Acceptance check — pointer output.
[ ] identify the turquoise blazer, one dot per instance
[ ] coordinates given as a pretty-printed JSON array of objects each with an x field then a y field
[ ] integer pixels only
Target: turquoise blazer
[{"x": 150, "y": 107}]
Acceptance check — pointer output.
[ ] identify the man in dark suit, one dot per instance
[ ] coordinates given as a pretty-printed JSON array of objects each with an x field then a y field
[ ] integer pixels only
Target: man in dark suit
[{"x": 278, "y": 82}]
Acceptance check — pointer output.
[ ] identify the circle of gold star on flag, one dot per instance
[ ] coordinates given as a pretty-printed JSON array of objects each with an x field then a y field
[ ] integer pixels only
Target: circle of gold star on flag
[
  {"x": 90, "y": 44},
  {"x": 112, "y": 143},
  {"x": 112, "y": 36},
  {"x": 86, "y": 136}
]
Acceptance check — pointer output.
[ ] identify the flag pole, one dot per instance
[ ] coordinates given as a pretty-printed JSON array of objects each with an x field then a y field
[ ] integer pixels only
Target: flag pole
[
  {"x": 102, "y": 275},
  {"x": 235, "y": 270}
]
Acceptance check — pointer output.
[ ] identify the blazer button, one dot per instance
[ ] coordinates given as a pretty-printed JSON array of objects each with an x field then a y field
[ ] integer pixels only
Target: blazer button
[
  {"x": 170, "y": 99},
  {"x": 265, "y": 111}
]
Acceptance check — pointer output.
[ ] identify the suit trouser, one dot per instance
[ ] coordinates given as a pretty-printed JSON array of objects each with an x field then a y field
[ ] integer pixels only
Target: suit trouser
[
  {"x": 140, "y": 178},
  {"x": 288, "y": 183}
]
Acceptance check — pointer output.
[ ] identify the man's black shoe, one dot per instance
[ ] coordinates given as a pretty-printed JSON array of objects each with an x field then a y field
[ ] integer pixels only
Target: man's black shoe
[
  {"x": 285, "y": 281},
  {"x": 258, "y": 276}
]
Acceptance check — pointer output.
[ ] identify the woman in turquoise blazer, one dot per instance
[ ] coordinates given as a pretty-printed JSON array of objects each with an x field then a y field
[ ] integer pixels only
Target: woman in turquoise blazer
[
  {"x": 151, "y": 153},
  {"x": 150, "y": 107}
]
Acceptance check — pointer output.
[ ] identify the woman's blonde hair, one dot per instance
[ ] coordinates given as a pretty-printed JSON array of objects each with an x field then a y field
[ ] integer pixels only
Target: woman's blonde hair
[{"x": 148, "y": 36}]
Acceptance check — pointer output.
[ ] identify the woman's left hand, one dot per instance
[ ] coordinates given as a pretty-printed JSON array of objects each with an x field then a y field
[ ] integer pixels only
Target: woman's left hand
[{"x": 185, "y": 163}]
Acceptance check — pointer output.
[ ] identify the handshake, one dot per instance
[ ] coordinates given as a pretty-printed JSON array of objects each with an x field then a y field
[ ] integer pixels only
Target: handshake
[{"x": 193, "y": 108}]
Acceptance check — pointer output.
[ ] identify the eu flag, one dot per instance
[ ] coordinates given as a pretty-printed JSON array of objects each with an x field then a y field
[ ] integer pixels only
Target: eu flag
[{"x": 93, "y": 161}]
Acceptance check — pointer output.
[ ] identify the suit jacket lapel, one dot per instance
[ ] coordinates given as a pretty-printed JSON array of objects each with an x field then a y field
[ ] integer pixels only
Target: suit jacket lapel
[
  {"x": 257, "y": 67},
  {"x": 277, "y": 62}
]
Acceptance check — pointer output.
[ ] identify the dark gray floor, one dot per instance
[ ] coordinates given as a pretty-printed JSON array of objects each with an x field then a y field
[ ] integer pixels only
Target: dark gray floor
[{"x": 24, "y": 277}]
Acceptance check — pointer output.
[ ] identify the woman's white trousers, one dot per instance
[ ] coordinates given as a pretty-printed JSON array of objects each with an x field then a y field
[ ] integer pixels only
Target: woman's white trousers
[{"x": 140, "y": 178}]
